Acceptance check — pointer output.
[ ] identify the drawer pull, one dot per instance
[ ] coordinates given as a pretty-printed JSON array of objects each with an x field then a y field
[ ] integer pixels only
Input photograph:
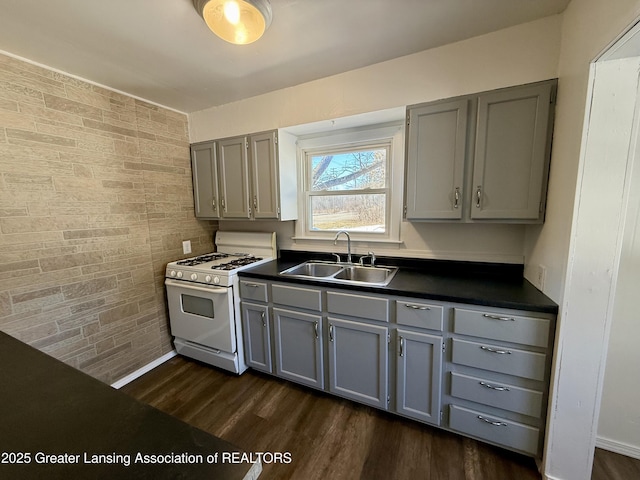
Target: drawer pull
[
  {"x": 416, "y": 307},
  {"x": 492, "y": 422},
  {"x": 493, "y": 387},
  {"x": 495, "y": 350},
  {"x": 252, "y": 285},
  {"x": 498, "y": 317}
]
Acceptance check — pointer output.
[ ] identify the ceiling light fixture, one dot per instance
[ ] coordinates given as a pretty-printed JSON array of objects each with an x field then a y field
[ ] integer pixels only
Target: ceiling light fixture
[{"x": 236, "y": 21}]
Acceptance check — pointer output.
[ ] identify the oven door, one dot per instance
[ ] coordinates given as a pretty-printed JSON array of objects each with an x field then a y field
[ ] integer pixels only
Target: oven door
[{"x": 202, "y": 314}]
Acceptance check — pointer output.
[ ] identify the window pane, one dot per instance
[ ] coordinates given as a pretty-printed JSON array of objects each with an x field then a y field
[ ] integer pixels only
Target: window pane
[
  {"x": 364, "y": 213},
  {"x": 349, "y": 171}
]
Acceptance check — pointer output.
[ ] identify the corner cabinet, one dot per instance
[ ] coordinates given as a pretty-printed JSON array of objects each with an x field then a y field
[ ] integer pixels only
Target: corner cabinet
[
  {"x": 482, "y": 157},
  {"x": 251, "y": 177}
]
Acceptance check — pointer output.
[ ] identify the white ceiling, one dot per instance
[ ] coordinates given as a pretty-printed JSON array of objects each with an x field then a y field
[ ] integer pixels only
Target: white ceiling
[{"x": 162, "y": 51}]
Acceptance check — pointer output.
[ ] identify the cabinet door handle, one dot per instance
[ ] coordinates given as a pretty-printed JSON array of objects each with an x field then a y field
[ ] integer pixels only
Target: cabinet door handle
[
  {"x": 495, "y": 350},
  {"x": 213, "y": 204},
  {"x": 255, "y": 202},
  {"x": 478, "y": 196},
  {"x": 456, "y": 197},
  {"x": 330, "y": 333},
  {"x": 416, "y": 307},
  {"x": 315, "y": 328},
  {"x": 402, "y": 346},
  {"x": 224, "y": 205},
  {"x": 498, "y": 317},
  {"x": 494, "y": 387},
  {"x": 264, "y": 324},
  {"x": 492, "y": 422}
]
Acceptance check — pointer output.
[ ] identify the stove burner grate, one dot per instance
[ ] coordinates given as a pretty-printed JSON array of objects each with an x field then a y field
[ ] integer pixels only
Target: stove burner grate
[
  {"x": 233, "y": 264},
  {"x": 190, "y": 262}
]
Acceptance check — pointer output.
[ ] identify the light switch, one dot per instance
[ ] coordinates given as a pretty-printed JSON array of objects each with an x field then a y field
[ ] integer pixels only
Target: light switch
[{"x": 186, "y": 246}]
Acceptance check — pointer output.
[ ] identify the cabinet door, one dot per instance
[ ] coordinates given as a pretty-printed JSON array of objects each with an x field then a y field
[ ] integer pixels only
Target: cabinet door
[
  {"x": 264, "y": 174},
  {"x": 257, "y": 335},
  {"x": 234, "y": 177},
  {"x": 436, "y": 150},
  {"x": 204, "y": 169},
  {"x": 418, "y": 383},
  {"x": 358, "y": 361},
  {"x": 298, "y": 347},
  {"x": 512, "y": 153}
]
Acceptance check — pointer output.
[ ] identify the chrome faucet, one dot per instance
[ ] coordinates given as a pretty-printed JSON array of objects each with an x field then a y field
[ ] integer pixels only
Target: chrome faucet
[
  {"x": 371, "y": 256},
  {"x": 335, "y": 241}
]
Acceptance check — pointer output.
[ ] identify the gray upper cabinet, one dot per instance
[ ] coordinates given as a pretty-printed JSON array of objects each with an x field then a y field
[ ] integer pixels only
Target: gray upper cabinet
[
  {"x": 234, "y": 177},
  {"x": 436, "y": 145},
  {"x": 482, "y": 157},
  {"x": 204, "y": 168},
  {"x": 264, "y": 175},
  {"x": 511, "y": 159},
  {"x": 254, "y": 177}
]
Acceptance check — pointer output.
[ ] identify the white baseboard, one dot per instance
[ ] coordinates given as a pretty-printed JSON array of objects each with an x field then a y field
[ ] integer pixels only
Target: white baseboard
[
  {"x": 614, "y": 446},
  {"x": 141, "y": 371}
]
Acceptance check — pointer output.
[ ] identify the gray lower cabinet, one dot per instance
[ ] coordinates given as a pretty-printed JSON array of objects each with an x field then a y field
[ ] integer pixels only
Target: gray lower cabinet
[
  {"x": 358, "y": 361},
  {"x": 479, "y": 371},
  {"x": 498, "y": 376},
  {"x": 298, "y": 347},
  {"x": 257, "y": 336},
  {"x": 418, "y": 375}
]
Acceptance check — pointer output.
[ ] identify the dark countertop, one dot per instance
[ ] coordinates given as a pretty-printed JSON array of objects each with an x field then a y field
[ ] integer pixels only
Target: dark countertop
[
  {"x": 48, "y": 407},
  {"x": 496, "y": 285}
]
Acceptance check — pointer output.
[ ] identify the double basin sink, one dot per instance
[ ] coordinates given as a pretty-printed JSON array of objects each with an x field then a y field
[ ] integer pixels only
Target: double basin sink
[{"x": 342, "y": 273}]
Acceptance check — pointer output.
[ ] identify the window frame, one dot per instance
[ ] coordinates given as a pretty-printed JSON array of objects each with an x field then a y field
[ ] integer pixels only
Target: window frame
[{"x": 389, "y": 136}]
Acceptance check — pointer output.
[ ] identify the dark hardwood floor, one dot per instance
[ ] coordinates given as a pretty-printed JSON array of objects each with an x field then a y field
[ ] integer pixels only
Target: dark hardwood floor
[{"x": 328, "y": 437}]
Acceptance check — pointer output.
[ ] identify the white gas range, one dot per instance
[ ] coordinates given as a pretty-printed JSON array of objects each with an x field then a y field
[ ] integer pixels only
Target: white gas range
[{"x": 204, "y": 300}]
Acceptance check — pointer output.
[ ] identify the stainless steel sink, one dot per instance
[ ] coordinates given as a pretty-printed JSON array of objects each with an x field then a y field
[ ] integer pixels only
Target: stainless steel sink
[
  {"x": 365, "y": 274},
  {"x": 342, "y": 273},
  {"x": 314, "y": 269}
]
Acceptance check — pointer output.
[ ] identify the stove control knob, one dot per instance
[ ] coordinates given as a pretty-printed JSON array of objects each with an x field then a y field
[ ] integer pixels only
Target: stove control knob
[
  {"x": 216, "y": 280},
  {"x": 194, "y": 276},
  {"x": 179, "y": 274},
  {"x": 207, "y": 279},
  {"x": 172, "y": 273}
]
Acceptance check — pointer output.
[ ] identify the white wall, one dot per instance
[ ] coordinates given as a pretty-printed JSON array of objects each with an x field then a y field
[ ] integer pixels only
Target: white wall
[
  {"x": 521, "y": 54},
  {"x": 619, "y": 423},
  {"x": 583, "y": 290}
]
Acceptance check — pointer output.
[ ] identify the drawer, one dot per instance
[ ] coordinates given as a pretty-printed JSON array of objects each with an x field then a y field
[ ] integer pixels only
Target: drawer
[
  {"x": 507, "y": 433},
  {"x": 499, "y": 359},
  {"x": 371, "y": 308},
  {"x": 505, "y": 327},
  {"x": 418, "y": 314},
  {"x": 250, "y": 290},
  {"x": 308, "y": 298},
  {"x": 497, "y": 394}
]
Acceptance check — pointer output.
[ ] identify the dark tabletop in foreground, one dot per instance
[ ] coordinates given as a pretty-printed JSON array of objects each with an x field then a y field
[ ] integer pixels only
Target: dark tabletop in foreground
[{"x": 62, "y": 423}]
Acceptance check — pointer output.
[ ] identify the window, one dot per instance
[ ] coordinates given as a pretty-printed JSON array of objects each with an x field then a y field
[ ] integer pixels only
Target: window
[
  {"x": 351, "y": 180},
  {"x": 348, "y": 189}
]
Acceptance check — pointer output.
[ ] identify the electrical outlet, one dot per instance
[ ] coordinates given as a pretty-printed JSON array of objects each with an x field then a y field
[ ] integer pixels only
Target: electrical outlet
[
  {"x": 541, "y": 277},
  {"x": 186, "y": 246}
]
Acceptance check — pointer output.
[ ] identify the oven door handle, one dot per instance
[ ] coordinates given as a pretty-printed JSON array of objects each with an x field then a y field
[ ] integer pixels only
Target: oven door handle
[{"x": 174, "y": 283}]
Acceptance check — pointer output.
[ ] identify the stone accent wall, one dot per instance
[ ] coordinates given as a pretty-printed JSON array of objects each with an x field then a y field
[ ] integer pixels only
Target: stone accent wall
[{"x": 95, "y": 198}]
